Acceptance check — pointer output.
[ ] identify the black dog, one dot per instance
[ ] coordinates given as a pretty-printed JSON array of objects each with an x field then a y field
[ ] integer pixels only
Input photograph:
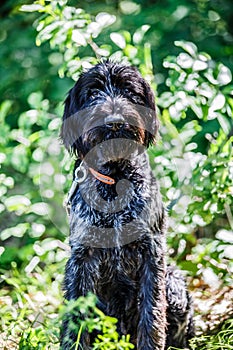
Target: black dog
[{"x": 117, "y": 219}]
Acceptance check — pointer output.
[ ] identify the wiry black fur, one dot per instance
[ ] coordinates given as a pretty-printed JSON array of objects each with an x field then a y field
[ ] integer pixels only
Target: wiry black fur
[{"x": 120, "y": 254}]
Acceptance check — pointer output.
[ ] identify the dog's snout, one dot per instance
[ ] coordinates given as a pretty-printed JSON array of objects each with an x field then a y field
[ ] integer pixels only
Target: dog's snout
[{"x": 114, "y": 121}]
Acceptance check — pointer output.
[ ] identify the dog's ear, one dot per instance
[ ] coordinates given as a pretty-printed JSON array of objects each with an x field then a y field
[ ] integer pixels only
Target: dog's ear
[
  {"x": 152, "y": 132},
  {"x": 152, "y": 122},
  {"x": 65, "y": 128},
  {"x": 68, "y": 132}
]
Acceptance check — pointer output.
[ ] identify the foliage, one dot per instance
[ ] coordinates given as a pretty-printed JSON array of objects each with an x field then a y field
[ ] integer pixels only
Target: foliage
[
  {"x": 197, "y": 180},
  {"x": 29, "y": 312},
  {"x": 33, "y": 315},
  {"x": 222, "y": 340},
  {"x": 73, "y": 33},
  {"x": 94, "y": 319},
  {"x": 193, "y": 160},
  {"x": 68, "y": 29},
  {"x": 31, "y": 149}
]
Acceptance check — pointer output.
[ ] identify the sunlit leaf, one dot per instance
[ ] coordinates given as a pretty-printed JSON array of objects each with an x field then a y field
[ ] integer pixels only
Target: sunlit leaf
[
  {"x": 189, "y": 47},
  {"x": 19, "y": 158},
  {"x": 185, "y": 61},
  {"x": 199, "y": 65},
  {"x": 140, "y": 33},
  {"x": 78, "y": 37},
  {"x": 31, "y": 8},
  {"x": 16, "y": 231},
  {"x": 17, "y": 203},
  {"x": 105, "y": 19},
  {"x": 224, "y": 76},
  {"x": 35, "y": 99},
  {"x": 118, "y": 39},
  {"x": 4, "y": 109}
]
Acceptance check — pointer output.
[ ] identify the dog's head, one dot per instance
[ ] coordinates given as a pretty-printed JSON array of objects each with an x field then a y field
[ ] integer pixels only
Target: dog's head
[{"x": 109, "y": 102}]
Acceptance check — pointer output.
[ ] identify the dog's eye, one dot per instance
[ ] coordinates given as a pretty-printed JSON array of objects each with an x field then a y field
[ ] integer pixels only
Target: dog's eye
[
  {"x": 93, "y": 94},
  {"x": 127, "y": 91}
]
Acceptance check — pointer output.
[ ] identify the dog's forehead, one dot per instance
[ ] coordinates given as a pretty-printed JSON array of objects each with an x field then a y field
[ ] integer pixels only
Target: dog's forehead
[
  {"x": 111, "y": 73},
  {"x": 107, "y": 81}
]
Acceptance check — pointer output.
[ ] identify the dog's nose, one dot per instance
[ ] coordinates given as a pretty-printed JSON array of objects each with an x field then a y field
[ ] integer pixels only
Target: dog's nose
[{"x": 114, "y": 121}]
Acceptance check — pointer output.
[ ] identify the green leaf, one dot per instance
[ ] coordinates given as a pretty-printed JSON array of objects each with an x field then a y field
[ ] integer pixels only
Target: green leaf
[
  {"x": 130, "y": 51},
  {"x": 224, "y": 76},
  {"x": 218, "y": 102},
  {"x": 4, "y": 109},
  {"x": 118, "y": 39},
  {"x": 19, "y": 158},
  {"x": 31, "y": 8},
  {"x": 17, "y": 203},
  {"x": 140, "y": 33},
  {"x": 79, "y": 38},
  {"x": 16, "y": 231},
  {"x": 105, "y": 19},
  {"x": 35, "y": 99},
  {"x": 187, "y": 46}
]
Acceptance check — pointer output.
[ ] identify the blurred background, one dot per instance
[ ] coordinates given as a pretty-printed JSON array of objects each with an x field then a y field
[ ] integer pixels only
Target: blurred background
[{"x": 185, "y": 50}]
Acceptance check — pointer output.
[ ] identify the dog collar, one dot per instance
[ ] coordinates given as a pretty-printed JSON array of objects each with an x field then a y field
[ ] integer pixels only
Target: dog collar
[
  {"x": 80, "y": 175},
  {"x": 103, "y": 178}
]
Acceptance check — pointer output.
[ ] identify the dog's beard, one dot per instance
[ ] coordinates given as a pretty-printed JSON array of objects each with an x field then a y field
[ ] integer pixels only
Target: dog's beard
[
  {"x": 113, "y": 150},
  {"x": 113, "y": 146}
]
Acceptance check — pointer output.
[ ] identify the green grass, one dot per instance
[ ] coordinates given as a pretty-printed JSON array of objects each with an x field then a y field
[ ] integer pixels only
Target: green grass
[{"x": 223, "y": 340}]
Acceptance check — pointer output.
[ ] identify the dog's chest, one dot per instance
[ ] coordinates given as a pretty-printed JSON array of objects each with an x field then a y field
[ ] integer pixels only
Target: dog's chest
[
  {"x": 119, "y": 268},
  {"x": 118, "y": 260},
  {"x": 108, "y": 230},
  {"x": 104, "y": 216}
]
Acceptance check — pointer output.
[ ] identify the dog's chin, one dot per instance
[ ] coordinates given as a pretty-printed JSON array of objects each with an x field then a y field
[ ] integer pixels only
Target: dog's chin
[
  {"x": 114, "y": 150},
  {"x": 113, "y": 154}
]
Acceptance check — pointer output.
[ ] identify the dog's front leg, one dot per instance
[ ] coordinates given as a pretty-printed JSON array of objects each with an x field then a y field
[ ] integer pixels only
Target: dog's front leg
[
  {"x": 152, "y": 306},
  {"x": 80, "y": 277}
]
